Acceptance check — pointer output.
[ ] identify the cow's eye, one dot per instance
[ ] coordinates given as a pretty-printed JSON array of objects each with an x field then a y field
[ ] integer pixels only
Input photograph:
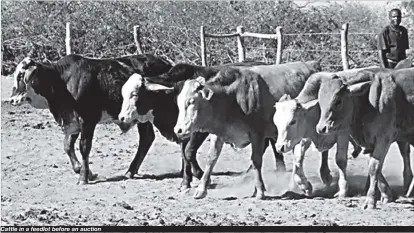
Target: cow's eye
[
  {"x": 292, "y": 122},
  {"x": 188, "y": 102}
]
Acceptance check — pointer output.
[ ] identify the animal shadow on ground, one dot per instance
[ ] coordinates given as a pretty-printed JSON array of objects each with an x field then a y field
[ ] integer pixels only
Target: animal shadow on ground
[
  {"x": 170, "y": 175},
  {"x": 357, "y": 188}
]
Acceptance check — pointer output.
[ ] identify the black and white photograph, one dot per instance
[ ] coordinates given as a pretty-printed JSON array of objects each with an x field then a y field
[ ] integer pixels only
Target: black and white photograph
[{"x": 206, "y": 113}]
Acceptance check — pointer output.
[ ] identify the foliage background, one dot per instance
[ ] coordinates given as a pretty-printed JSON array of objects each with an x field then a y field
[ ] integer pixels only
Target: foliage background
[{"x": 171, "y": 29}]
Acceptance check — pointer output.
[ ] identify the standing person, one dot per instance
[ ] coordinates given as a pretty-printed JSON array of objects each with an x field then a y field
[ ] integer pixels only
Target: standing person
[{"x": 392, "y": 41}]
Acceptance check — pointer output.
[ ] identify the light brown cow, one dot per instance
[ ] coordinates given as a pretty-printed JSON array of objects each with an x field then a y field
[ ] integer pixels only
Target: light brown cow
[{"x": 376, "y": 109}]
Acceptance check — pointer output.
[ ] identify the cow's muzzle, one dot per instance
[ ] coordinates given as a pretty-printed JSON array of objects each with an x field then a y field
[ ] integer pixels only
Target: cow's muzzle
[
  {"x": 181, "y": 133},
  {"x": 18, "y": 100},
  {"x": 282, "y": 148},
  {"x": 324, "y": 128}
]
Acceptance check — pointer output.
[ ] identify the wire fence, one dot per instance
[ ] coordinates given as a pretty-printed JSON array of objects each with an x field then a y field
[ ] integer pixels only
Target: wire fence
[{"x": 296, "y": 46}]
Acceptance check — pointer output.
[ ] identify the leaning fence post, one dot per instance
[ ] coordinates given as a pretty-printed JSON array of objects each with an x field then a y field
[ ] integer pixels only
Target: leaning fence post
[
  {"x": 67, "y": 39},
  {"x": 344, "y": 46},
  {"x": 203, "y": 47},
  {"x": 137, "y": 40},
  {"x": 240, "y": 45},
  {"x": 279, "y": 37}
]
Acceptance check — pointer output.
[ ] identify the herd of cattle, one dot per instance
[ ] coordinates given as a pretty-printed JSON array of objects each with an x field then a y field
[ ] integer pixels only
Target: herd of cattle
[{"x": 288, "y": 106}]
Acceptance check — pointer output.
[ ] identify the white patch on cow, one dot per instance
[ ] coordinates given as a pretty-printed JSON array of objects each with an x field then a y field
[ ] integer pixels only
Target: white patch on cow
[
  {"x": 284, "y": 118},
  {"x": 147, "y": 117},
  {"x": 129, "y": 95},
  {"x": 19, "y": 70},
  {"x": 182, "y": 122}
]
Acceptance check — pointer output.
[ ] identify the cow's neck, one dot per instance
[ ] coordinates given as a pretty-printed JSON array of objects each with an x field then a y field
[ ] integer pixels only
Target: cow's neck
[
  {"x": 226, "y": 124},
  {"x": 55, "y": 70}
]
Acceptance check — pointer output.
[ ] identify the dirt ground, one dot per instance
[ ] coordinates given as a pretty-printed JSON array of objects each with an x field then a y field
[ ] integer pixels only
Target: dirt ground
[{"x": 38, "y": 186}]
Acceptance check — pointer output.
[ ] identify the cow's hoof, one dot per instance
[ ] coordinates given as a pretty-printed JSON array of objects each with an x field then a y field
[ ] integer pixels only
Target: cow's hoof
[
  {"x": 340, "y": 194},
  {"x": 326, "y": 178},
  {"x": 369, "y": 204},
  {"x": 82, "y": 182},
  {"x": 129, "y": 175},
  {"x": 355, "y": 154},
  {"x": 184, "y": 189},
  {"x": 308, "y": 189},
  {"x": 200, "y": 194},
  {"x": 385, "y": 200},
  {"x": 77, "y": 169},
  {"x": 260, "y": 196},
  {"x": 92, "y": 176}
]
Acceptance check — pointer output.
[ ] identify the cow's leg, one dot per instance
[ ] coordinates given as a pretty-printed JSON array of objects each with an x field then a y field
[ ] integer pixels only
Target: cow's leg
[
  {"x": 85, "y": 148},
  {"x": 298, "y": 176},
  {"x": 341, "y": 161},
  {"x": 146, "y": 138},
  {"x": 376, "y": 178},
  {"x": 189, "y": 155},
  {"x": 258, "y": 142},
  {"x": 186, "y": 169},
  {"x": 279, "y": 159},
  {"x": 357, "y": 149},
  {"x": 69, "y": 147},
  {"x": 324, "y": 171},
  {"x": 407, "y": 173},
  {"x": 216, "y": 145},
  {"x": 191, "y": 152}
]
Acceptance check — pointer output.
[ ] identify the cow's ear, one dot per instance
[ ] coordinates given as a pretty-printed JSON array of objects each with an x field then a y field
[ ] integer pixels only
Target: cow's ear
[
  {"x": 28, "y": 73},
  {"x": 310, "y": 104},
  {"x": 157, "y": 87},
  {"x": 285, "y": 97},
  {"x": 358, "y": 88},
  {"x": 206, "y": 93}
]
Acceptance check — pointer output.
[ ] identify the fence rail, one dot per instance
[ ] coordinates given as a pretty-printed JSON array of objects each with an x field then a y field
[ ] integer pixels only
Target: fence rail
[
  {"x": 278, "y": 36},
  {"x": 240, "y": 34}
]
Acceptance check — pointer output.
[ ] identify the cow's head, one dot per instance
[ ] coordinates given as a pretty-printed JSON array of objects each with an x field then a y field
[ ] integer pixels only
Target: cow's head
[
  {"x": 194, "y": 107},
  {"x": 335, "y": 100},
  {"x": 25, "y": 77},
  {"x": 292, "y": 120},
  {"x": 137, "y": 105}
]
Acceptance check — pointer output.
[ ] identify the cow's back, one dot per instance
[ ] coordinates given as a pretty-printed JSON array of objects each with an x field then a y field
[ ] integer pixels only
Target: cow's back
[{"x": 286, "y": 78}]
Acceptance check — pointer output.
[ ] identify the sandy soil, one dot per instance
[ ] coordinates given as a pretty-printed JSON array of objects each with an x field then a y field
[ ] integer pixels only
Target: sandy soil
[{"x": 38, "y": 186}]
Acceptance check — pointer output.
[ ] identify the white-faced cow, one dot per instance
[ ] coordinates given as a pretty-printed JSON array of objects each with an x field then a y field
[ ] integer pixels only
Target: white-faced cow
[
  {"x": 236, "y": 107},
  {"x": 144, "y": 99},
  {"x": 296, "y": 120},
  {"x": 81, "y": 92},
  {"x": 376, "y": 109}
]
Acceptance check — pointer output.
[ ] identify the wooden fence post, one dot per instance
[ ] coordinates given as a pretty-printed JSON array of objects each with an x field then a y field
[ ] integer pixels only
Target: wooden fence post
[
  {"x": 67, "y": 39},
  {"x": 279, "y": 44},
  {"x": 344, "y": 46},
  {"x": 240, "y": 45},
  {"x": 203, "y": 47},
  {"x": 137, "y": 40}
]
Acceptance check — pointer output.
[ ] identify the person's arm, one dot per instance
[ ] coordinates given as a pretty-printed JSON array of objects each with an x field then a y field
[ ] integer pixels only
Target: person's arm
[
  {"x": 382, "y": 49},
  {"x": 382, "y": 59}
]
